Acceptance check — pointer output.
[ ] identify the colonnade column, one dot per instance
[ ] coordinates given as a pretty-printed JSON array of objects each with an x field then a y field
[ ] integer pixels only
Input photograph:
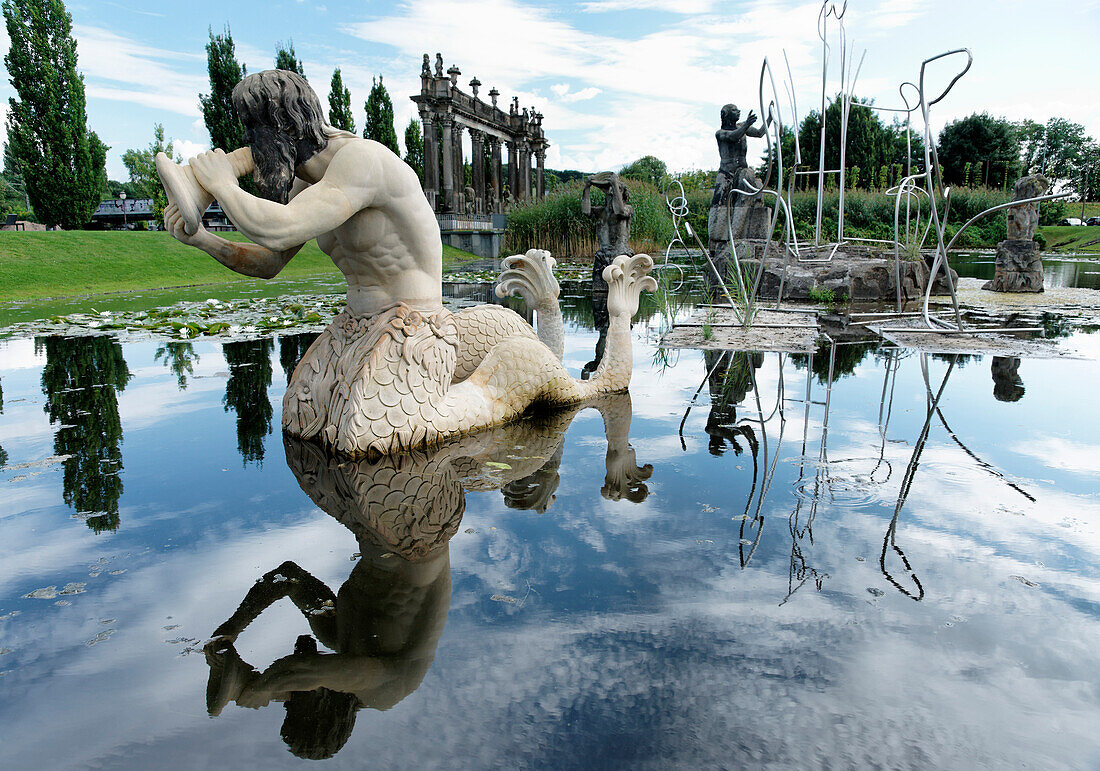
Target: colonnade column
[
  {"x": 540, "y": 176},
  {"x": 477, "y": 166},
  {"x": 524, "y": 181},
  {"x": 431, "y": 158},
  {"x": 513, "y": 170},
  {"x": 494, "y": 150},
  {"x": 459, "y": 170},
  {"x": 448, "y": 163}
]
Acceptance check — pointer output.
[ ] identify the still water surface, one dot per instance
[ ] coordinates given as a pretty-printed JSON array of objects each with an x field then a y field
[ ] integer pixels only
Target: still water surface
[{"x": 707, "y": 571}]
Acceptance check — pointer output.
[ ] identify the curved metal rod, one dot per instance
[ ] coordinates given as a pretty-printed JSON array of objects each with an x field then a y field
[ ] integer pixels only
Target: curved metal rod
[{"x": 971, "y": 221}]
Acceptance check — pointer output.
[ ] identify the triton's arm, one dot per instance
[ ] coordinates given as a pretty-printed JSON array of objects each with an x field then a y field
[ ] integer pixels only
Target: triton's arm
[
  {"x": 353, "y": 180},
  {"x": 288, "y": 580},
  {"x": 247, "y": 259}
]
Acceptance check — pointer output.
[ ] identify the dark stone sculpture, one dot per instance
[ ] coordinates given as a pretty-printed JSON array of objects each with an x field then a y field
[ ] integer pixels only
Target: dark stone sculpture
[
  {"x": 1019, "y": 265},
  {"x": 731, "y": 211},
  {"x": 1008, "y": 386},
  {"x": 613, "y": 222}
]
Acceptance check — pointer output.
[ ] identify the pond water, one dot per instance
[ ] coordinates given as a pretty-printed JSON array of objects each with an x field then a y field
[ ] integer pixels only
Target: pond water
[
  {"x": 1058, "y": 270},
  {"x": 713, "y": 569}
]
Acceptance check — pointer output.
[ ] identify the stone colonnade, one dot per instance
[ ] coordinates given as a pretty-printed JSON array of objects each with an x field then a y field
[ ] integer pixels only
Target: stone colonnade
[{"x": 445, "y": 113}]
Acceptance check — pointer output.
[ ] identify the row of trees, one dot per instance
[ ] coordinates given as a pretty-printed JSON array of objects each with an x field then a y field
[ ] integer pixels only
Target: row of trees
[
  {"x": 227, "y": 132},
  {"x": 979, "y": 150}
]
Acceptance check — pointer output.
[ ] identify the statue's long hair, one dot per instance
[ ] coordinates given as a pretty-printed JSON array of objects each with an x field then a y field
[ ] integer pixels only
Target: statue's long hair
[
  {"x": 283, "y": 101},
  {"x": 285, "y": 126}
]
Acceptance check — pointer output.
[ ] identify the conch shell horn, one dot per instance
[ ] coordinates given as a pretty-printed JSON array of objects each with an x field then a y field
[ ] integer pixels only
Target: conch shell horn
[{"x": 186, "y": 193}]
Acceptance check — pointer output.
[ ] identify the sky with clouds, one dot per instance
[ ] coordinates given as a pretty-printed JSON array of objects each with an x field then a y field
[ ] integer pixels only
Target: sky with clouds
[{"x": 616, "y": 79}]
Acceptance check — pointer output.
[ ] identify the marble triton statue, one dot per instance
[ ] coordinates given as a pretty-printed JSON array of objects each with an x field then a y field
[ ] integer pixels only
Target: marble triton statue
[{"x": 395, "y": 370}]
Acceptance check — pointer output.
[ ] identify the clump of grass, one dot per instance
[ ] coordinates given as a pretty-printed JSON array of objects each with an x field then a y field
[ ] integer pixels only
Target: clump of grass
[{"x": 823, "y": 295}]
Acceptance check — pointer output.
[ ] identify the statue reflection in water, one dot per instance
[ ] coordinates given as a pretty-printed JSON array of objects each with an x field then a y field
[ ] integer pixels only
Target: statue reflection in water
[{"x": 383, "y": 624}]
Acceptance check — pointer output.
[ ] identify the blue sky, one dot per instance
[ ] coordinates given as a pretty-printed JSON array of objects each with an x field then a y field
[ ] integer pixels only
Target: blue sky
[{"x": 616, "y": 79}]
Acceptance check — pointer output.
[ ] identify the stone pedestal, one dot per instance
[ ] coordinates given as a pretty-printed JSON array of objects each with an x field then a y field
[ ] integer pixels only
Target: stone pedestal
[{"x": 1019, "y": 267}]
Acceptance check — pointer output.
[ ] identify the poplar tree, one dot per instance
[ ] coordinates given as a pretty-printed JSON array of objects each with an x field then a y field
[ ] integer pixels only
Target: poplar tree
[
  {"x": 379, "y": 125},
  {"x": 339, "y": 104},
  {"x": 226, "y": 130},
  {"x": 286, "y": 59},
  {"x": 414, "y": 147},
  {"x": 61, "y": 161}
]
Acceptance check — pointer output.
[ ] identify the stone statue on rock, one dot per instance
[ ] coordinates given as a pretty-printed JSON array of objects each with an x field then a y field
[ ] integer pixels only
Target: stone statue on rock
[
  {"x": 395, "y": 370},
  {"x": 735, "y": 211},
  {"x": 612, "y": 222},
  {"x": 1019, "y": 266}
]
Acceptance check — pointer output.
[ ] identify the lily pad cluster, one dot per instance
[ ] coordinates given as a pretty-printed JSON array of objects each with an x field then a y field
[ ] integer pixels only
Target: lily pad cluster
[{"x": 242, "y": 318}]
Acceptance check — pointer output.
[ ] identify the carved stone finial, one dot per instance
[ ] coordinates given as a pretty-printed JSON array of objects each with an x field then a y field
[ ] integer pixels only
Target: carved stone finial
[
  {"x": 475, "y": 84},
  {"x": 493, "y": 94},
  {"x": 426, "y": 68},
  {"x": 453, "y": 71}
]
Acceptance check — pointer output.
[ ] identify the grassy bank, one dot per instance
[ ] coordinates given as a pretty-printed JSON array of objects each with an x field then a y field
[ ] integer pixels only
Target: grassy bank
[
  {"x": 68, "y": 264},
  {"x": 1071, "y": 239}
]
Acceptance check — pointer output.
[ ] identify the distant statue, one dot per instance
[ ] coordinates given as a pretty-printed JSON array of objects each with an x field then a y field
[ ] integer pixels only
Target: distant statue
[
  {"x": 426, "y": 68},
  {"x": 506, "y": 199},
  {"x": 468, "y": 194},
  {"x": 396, "y": 370},
  {"x": 612, "y": 222},
  {"x": 1019, "y": 266},
  {"x": 439, "y": 65},
  {"x": 733, "y": 211},
  {"x": 490, "y": 198}
]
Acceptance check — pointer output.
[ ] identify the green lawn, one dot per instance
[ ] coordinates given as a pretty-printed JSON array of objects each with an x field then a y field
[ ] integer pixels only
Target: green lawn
[
  {"x": 66, "y": 264},
  {"x": 1071, "y": 238}
]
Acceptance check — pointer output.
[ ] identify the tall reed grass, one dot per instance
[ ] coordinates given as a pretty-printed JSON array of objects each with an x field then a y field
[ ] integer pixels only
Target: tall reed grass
[{"x": 557, "y": 224}]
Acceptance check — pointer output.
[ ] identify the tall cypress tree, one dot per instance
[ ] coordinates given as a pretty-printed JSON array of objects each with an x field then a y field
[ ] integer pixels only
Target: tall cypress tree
[
  {"x": 47, "y": 122},
  {"x": 226, "y": 130},
  {"x": 379, "y": 125},
  {"x": 339, "y": 104},
  {"x": 286, "y": 59},
  {"x": 414, "y": 147}
]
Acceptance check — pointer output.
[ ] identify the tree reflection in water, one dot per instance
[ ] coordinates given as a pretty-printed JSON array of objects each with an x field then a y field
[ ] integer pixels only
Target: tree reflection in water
[
  {"x": 180, "y": 358},
  {"x": 3, "y": 452},
  {"x": 291, "y": 350},
  {"x": 384, "y": 623},
  {"x": 81, "y": 381},
  {"x": 246, "y": 394}
]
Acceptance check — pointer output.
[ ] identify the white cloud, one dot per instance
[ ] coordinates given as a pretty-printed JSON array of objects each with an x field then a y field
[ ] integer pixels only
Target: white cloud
[
  {"x": 582, "y": 95},
  {"x": 188, "y": 149},
  {"x": 682, "y": 6},
  {"x": 107, "y": 59}
]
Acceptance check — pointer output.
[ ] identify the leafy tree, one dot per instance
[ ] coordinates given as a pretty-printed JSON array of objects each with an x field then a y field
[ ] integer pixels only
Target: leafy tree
[
  {"x": 291, "y": 350},
  {"x": 226, "y": 130},
  {"x": 142, "y": 165},
  {"x": 414, "y": 147},
  {"x": 47, "y": 121},
  {"x": 13, "y": 190},
  {"x": 870, "y": 145},
  {"x": 647, "y": 168},
  {"x": 286, "y": 59},
  {"x": 1088, "y": 187},
  {"x": 1055, "y": 149},
  {"x": 339, "y": 104},
  {"x": 979, "y": 138},
  {"x": 81, "y": 382},
  {"x": 379, "y": 125}
]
